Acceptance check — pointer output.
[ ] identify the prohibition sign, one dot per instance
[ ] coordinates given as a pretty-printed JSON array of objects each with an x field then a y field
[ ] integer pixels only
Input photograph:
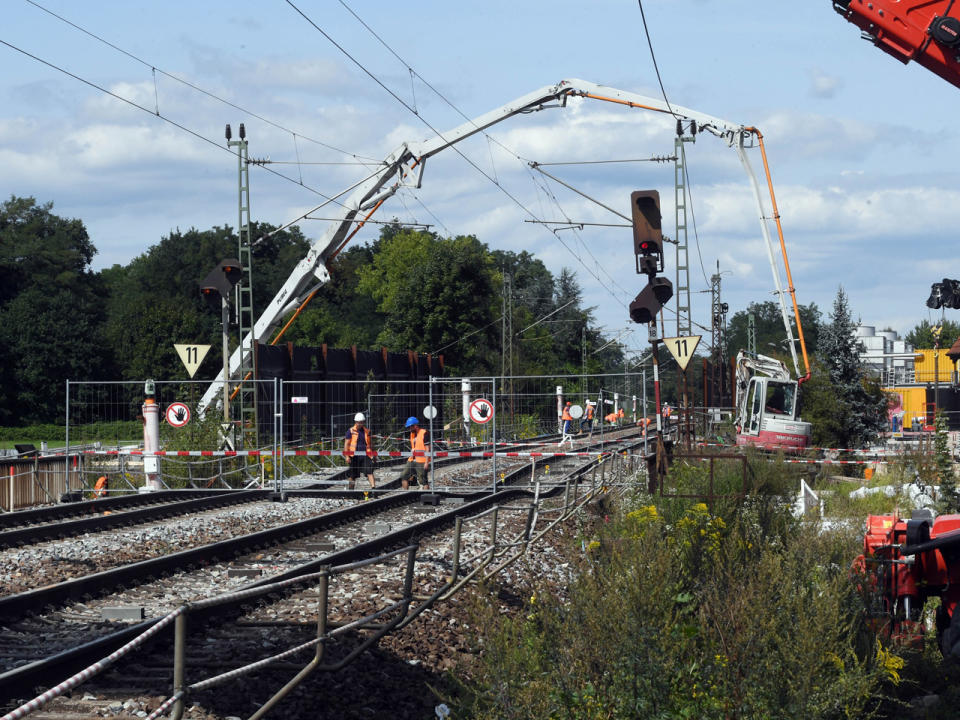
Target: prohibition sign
[
  {"x": 177, "y": 414},
  {"x": 481, "y": 410}
]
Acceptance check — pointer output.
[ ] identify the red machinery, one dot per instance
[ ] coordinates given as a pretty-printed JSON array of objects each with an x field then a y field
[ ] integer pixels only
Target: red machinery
[
  {"x": 907, "y": 563},
  {"x": 919, "y": 30}
]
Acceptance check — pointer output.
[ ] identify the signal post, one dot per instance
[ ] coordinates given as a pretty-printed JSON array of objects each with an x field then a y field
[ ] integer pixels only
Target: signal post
[{"x": 648, "y": 251}]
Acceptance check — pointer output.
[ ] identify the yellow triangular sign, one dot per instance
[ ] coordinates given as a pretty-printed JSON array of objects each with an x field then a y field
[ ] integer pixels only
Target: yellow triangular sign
[
  {"x": 682, "y": 348},
  {"x": 191, "y": 356}
]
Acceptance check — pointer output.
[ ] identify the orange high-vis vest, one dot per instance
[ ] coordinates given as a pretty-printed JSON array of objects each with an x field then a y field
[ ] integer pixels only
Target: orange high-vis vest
[
  {"x": 612, "y": 417},
  {"x": 566, "y": 413},
  {"x": 589, "y": 412},
  {"x": 418, "y": 445},
  {"x": 620, "y": 413},
  {"x": 351, "y": 444},
  {"x": 100, "y": 489}
]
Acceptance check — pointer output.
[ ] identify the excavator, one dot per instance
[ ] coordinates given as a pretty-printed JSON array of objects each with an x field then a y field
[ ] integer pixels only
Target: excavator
[
  {"x": 767, "y": 405},
  {"x": 404, "y": 167},
  {"x": 908, "y": 562}
]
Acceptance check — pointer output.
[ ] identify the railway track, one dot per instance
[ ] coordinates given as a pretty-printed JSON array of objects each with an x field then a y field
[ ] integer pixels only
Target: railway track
[{"x": 274, "y": 555}]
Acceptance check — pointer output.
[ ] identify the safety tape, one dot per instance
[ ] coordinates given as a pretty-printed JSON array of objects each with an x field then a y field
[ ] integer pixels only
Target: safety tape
[
  {"x": 333, "y": 453},
  {"x": 838, "y": 462},
  {"x": 859, "y": 451}
]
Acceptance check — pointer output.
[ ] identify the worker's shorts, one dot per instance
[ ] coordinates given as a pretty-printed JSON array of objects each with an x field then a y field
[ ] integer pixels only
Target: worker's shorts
[
  {"x": 360, "y": 465},
  {"x": 415, "y": 468}
]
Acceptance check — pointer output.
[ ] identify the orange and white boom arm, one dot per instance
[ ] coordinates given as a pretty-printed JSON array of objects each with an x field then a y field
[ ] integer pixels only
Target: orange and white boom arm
[{"x": 404, "y": 168}]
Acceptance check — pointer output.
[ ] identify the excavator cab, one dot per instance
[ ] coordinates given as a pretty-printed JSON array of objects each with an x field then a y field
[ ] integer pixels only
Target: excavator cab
[{"x": 768, "y": 412}]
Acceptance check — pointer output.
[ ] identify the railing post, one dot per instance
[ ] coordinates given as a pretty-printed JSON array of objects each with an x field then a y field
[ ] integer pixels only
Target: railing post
[
  {"x": 179, "y": 662},
  {"x": 322, "y": 610},
  {"x": 458, "y": 528},
  {"x": 493, "y": 531}
]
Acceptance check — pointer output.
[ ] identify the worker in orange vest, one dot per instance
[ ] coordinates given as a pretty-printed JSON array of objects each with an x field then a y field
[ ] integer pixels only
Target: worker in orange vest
[
  {"x": 567, "y": 419},
  {"x": 100, "y": 489},
  {"x": 588, "y": 418},
  {"x": 358, "y": 441},
  {"x": 419, "y": 464},
  {"x": 620, "y": 416}
]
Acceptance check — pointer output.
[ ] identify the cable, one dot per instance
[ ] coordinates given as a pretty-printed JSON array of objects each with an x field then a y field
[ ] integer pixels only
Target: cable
[
  {"x": 656, "y": 158},
  {"x": 191, "y": 85},
  {"x": 466, "y": 336},
  {"x": 431, "y": 127},
  {"x": 688, "y": 188},
  {"x": 177, "y": 125},
  {"x": 654, "y": 58}
]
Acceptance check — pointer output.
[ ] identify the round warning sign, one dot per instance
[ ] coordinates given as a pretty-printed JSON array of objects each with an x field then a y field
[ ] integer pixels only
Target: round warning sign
[
  {"x": 177, "y": 414},
  {"x": 481, "y": 410}
]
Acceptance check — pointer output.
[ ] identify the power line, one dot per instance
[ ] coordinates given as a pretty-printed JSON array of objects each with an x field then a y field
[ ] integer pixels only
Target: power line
[
  {"x": 159, "y": 115},
  {"x": 209, "y": 94},
  {"x": 655, "y": 158},
  {"x": 654, "y": 58},
  {"x": 426, "y": 122}
]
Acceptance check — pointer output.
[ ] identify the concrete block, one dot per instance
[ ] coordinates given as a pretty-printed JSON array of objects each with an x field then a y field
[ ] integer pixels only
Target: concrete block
[
  {"x": 376, "y": 528},
  {"x": 244, "y": 572},
  {"x": 319, "y": 546},
  {"x": 122, "y": 613}
]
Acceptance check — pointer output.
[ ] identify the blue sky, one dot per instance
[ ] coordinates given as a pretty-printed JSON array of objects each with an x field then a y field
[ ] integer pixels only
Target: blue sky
[{"x": 861, "y": 147}]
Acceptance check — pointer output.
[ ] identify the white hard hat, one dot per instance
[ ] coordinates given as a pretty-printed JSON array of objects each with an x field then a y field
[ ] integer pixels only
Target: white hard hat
[{"x": 359, "y": 417}]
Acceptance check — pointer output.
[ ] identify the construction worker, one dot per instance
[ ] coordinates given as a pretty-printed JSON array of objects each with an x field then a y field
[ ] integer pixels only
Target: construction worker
[
  {"x": 567, "y": 419},
  {"x": 100, "y": 489},
  {"x": 611, "y": 418},
  {"x": 419, "y": 443},
  {"x": 588, "y": 418},
  {"x": 620, "y": 416},
  {"x": 643, "y": 423},
  {"x": 359, "y": 442}
]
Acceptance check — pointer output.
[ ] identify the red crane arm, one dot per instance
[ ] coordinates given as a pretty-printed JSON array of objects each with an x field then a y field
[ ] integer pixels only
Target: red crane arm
[{"x": 920, "y": 30}]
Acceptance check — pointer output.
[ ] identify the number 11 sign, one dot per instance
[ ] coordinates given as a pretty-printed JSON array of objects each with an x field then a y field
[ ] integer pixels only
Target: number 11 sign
[
  {"x": 682, "y": 348},
  {"x": 191, "y": 355}
]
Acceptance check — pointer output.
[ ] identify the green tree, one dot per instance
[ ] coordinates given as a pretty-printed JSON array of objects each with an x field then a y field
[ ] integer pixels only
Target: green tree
[
  {"x": 340, "y": 314},
  {"x": 921, "y": 337},
  {"x": 432, "y": 292},
  {"x": 949, "y": 501},
  {"x": 847, "y": 408},
  {"x": 154, "y": 301},
  {"x": 771, "y": 339},
  {"x": 51, "y": 311}
]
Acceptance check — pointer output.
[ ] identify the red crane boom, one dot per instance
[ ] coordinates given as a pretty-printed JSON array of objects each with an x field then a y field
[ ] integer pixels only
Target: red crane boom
[{"x": 920, "y": 30}]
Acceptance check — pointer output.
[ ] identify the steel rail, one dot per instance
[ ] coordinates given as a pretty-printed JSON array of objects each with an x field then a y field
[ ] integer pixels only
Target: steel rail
[
  {"x": 17, "y": 681},
  {"x": 118, "y": 518}
]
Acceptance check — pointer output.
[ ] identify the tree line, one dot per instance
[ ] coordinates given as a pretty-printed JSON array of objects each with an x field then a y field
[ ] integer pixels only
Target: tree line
[{"x": 406, "y": 290}]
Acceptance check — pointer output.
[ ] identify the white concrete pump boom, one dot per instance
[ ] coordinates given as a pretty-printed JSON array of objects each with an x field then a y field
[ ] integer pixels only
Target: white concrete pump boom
[{"x": 404, "y": 167}]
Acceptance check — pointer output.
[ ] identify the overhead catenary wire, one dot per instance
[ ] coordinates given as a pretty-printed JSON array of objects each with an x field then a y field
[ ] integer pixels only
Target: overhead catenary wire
[
  {"x": 492, "y": 139},
  {"x": 426, "y": 122},
  {"x": 192, "y": 86},
  {"x": 160, "y": 116},
  {"x": 655, "y": 158}
]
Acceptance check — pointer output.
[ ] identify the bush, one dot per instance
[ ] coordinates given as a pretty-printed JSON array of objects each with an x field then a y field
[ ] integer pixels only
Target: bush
[{"x": 692, "y": 613}]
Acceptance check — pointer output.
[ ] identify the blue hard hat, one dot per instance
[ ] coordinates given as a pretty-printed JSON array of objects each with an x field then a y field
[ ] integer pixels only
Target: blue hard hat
[{"x": 412, "y": 421}]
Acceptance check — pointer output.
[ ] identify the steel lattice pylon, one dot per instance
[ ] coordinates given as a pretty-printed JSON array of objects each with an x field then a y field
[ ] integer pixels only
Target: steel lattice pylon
[{"x": 246, "y": 395}]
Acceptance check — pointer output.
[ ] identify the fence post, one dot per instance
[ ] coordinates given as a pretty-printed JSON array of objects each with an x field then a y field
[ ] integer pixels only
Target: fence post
[
  {"x": 67, "y": 441},
  {"x": 493, "y": 430},
  {"x": 11, "y": 487}
]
